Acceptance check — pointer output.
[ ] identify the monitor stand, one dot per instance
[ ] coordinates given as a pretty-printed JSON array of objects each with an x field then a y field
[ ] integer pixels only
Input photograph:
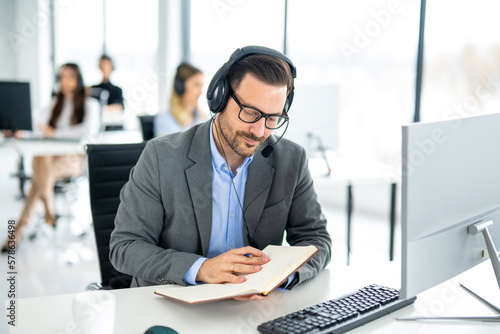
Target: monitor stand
[
  {"x": 481, "y": 227},
  {"x": 496, "y": 308},
  {"x": 495, "y": 260}
]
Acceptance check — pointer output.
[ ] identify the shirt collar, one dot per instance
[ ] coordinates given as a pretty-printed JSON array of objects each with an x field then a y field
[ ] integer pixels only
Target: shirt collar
[{"x": 218, "y": 160}]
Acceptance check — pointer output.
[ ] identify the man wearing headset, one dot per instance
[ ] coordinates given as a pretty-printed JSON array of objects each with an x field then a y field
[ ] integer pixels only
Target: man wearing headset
[{"x": 199, "y": 201}]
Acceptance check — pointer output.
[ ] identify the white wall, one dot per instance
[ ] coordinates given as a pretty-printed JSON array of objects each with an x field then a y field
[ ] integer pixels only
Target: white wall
[
  {"x": 25, "y": 45},
  {"x": 169, "y": 47},
  {"x": 32, "y": 27},
  {"x": 7, "y": 55}
]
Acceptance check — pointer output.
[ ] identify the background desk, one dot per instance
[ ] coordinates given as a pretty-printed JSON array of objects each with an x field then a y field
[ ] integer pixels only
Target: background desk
[
  {"x": 351, "y": 172},
  {"x": 137, "y": 309},
  {"x": 61, "y": 146},
  {"x": 38, "y": 146}
]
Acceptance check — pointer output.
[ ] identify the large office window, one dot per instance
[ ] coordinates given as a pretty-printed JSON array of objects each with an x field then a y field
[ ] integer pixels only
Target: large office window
[
  {"x": 78, "y": 35},
  {"x": 461, "y": 74},
  {"x": 132, "y": 39},
  {"x": 127, "y": 30},
  {"x": 365, "y": 53},
  {"x": 355, "y": 63},
  {"x": 220, "y": 27}
]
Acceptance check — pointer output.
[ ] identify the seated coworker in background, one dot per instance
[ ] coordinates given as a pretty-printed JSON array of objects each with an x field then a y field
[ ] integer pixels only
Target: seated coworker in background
[
  {"x": 70, "y": 115},
  {"x": 115, "y": 99},
  {"x": 184, "y": 111},
  {"x": 181, "y": 220}
]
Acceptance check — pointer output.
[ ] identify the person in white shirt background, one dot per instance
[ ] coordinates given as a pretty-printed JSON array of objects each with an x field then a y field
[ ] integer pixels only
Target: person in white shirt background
[{"x": 71, "y": 114}]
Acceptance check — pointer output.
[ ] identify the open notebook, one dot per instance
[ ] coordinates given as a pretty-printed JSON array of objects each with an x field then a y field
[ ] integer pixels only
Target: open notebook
[{"x": 285, "y": 260}]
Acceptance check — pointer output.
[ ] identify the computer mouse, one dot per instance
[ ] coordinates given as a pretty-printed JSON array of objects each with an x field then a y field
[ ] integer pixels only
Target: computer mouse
[{"x": 160, "y": 330}]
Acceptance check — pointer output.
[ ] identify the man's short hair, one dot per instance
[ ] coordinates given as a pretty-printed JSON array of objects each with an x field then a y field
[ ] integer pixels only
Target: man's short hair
[
  {"x": 105, "y": 57},
  {"x": 268, "y": 69}
]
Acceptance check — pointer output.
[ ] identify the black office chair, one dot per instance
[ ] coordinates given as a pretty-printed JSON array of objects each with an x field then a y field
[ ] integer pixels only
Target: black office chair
[
  {"x": 108, "y": 168},
  {"x": 22, "y": 176},
  {"x": 147, "y": 126}
]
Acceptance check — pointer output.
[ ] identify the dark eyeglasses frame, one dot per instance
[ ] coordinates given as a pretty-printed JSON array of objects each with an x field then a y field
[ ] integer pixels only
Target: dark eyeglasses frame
[{"x": 262, "y": 114}]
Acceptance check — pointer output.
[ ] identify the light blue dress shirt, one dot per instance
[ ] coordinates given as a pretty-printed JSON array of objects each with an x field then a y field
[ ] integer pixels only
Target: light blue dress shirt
[{"x": 227, "y": 210}]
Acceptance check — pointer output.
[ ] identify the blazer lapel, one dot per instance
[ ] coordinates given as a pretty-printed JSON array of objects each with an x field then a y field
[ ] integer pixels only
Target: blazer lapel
[
  {"x": 259, "y": 180},
  {"x": 199, "y": 180}
]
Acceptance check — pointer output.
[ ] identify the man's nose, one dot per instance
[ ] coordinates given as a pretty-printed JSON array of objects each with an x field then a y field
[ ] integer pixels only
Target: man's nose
[{"x": 258, "y": 127}]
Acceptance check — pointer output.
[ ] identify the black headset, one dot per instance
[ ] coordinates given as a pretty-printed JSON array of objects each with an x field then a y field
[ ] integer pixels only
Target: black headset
[
  {"x": 178, "y": 82},
  {"x": 218, "y": 90}
]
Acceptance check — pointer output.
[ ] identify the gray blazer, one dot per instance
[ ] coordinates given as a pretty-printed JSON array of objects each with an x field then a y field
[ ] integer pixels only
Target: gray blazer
[{"x": 163, "y": 224}]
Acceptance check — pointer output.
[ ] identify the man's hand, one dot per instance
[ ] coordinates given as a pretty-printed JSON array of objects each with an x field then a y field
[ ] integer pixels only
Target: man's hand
[
  {"x": 252, "y": 297},
  {"x": 225, "y": 267}
]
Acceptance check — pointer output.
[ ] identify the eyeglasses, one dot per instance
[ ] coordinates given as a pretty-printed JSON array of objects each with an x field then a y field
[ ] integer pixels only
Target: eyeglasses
[{"x": 252, "y": 115}]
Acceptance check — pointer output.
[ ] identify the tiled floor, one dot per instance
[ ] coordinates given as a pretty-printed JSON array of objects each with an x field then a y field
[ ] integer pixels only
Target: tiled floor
[
  {"x": 64, "y": 260},
  {"x": 55, "y": 261}
]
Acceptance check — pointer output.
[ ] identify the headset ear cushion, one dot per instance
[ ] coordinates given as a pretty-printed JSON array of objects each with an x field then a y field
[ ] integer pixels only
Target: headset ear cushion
[
  {"x": 179, "y": 86},
  {"x": 219, "y": 97},
  {"x": 215, "y": 92}
]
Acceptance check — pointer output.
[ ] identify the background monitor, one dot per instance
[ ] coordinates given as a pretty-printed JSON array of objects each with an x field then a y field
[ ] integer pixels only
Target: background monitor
[
  {"x": 451, "y": 179},
  {"x": 314, "y": 117},
  {"x": 15, "y": 106}
]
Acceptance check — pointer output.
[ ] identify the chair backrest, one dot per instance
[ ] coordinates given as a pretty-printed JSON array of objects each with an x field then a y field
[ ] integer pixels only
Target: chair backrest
[
  {"x": 101, "y": 95},
  {"x": 109, "y": 168},
  {"x": 147, "y": 126}
]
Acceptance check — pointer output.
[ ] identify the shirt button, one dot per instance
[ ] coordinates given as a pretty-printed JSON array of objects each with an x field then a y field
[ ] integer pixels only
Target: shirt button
[
  {"x": 232, "y": 215},
  {"x": 230, "y": 247}
]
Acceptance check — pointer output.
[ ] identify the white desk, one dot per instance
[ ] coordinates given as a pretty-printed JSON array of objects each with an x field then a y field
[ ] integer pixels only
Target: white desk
[
  {"x": 69, "y": 146},
  {"x": 33, "y": 147},
  {"x": 137, "y": 309}
]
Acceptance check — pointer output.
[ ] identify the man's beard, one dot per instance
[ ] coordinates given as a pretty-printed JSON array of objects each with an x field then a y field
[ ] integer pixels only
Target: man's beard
[{"x": 232, "y": 140}]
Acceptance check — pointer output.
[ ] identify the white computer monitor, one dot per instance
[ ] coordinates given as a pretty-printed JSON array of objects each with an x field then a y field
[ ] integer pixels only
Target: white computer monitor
[{"x": 451, "y": 180}]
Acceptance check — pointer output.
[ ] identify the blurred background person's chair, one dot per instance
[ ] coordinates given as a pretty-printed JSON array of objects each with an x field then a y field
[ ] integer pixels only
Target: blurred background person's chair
[{"x": 147, "y": 125}]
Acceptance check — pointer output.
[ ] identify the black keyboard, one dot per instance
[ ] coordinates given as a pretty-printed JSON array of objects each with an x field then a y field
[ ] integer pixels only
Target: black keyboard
[{"x": 339, "y": 315}]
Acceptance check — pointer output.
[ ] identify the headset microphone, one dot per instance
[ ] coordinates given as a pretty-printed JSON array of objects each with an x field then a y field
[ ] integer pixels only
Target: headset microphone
[{"x": 269, "y": 149}]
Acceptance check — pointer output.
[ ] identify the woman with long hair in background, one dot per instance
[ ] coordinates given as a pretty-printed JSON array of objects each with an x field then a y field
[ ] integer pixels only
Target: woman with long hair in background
[{"x": 71, "y": 114}]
